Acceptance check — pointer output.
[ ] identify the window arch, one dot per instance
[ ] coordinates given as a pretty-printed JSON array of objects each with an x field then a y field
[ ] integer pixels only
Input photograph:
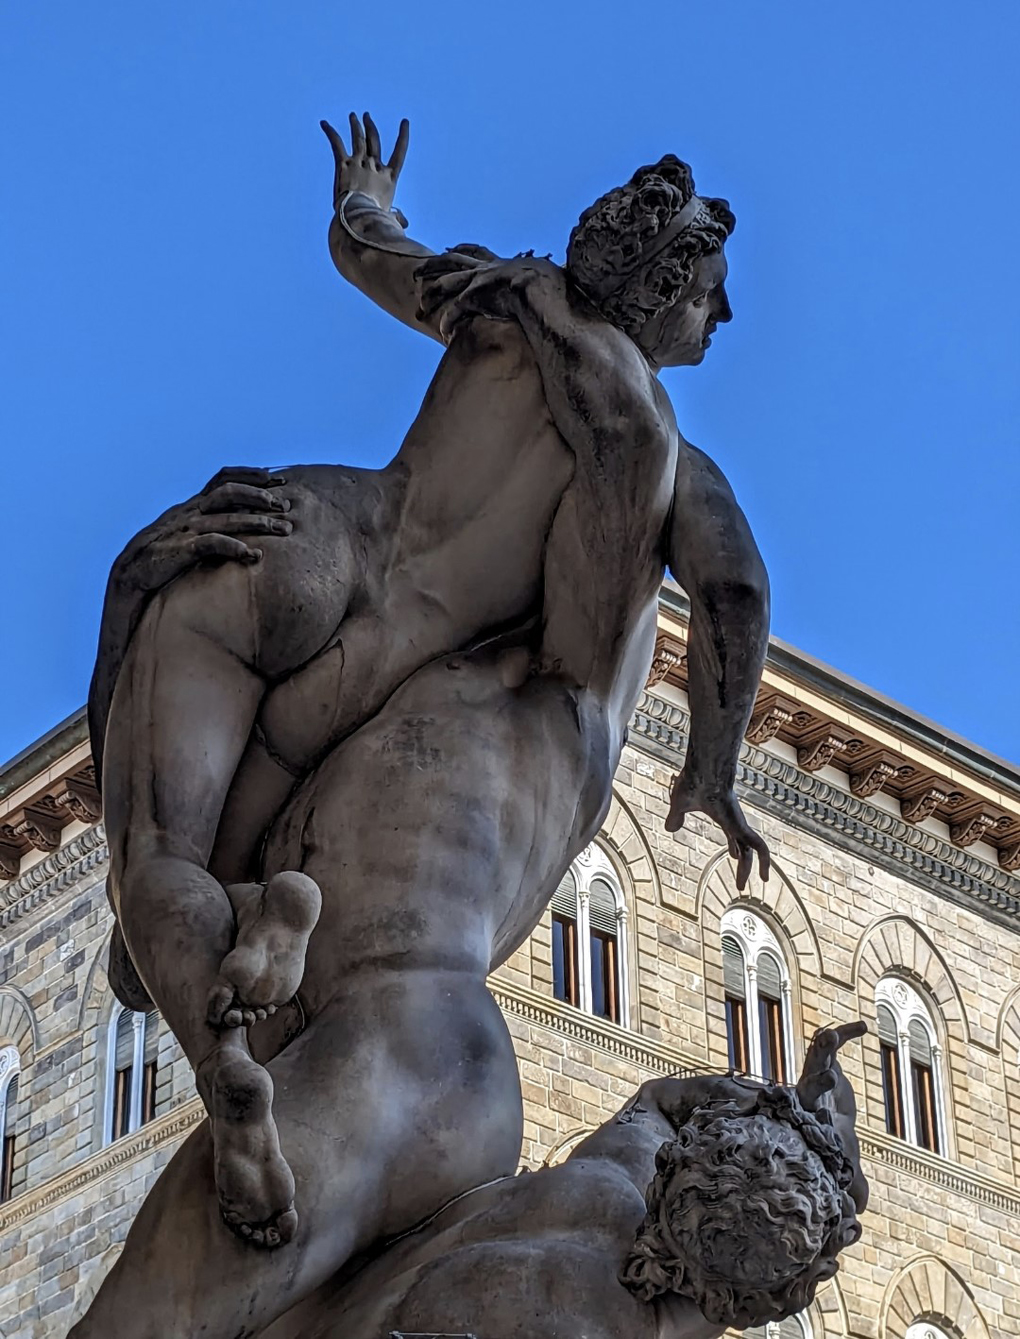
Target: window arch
[
  {"x": 757, "y": 991},
  {"x": 589, "y": 919},
  {"x": 10, "y": 1074},
  {"x": 924, "y": 1329},
  {"x": 131, "y": 1072},
  {"x": 912, "y": 1079}
]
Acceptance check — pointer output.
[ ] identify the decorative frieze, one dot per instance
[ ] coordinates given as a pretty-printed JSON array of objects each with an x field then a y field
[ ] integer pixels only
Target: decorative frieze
[
  {"x": 819, "y": 748},
  {"x": 669, "y": 659},
  {"x": 971, "y": 826},
  {"x": 817, "y": 806},
  {"x": 771, "y": 714},
  {"x": 80, "y": 800},
  {"x": 1009, "y": 857},
  {"x": 870, "y": 774}
]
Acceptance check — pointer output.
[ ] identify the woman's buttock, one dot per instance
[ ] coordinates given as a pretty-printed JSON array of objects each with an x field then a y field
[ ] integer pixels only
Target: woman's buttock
[{"x": 278, "y": 613}]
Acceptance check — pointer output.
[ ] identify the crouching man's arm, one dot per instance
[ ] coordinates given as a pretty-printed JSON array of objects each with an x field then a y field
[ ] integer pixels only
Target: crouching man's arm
[{"x": 713, "y": 555}]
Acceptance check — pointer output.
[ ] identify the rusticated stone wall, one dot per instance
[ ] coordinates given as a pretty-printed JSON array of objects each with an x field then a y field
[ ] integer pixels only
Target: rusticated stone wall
[{"x": 849, "y": 902}]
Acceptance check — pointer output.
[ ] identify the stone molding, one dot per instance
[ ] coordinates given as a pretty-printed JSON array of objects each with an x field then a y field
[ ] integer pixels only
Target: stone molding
[
  {"x": 828, "y": 736},
  {"x": 51, "y": 876},
  {"x": 925, "y": 1166},
  {"x": 63, "y": 794},
  {"x": 108, "y": 1160},
  {"x": 819, "y": 807},
  {"x": 601, "y": 1035}
]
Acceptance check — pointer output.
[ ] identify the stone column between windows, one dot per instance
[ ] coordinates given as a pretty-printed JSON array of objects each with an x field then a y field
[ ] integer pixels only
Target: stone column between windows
[
  {"x": 907, "y": 1089},
  {"x": 622, "y": 970},
  {"x": 137, "y": 1068},
  {"x": 753, "y": 1025},
  {"x": 939, "y": 1097},
  {"x": 786, "y": 991},
  {"x": 584, "y": 949}
]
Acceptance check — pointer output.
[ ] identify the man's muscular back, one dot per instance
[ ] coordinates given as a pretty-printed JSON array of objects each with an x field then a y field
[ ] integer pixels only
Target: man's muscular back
[{"x": 472, "y": 493}]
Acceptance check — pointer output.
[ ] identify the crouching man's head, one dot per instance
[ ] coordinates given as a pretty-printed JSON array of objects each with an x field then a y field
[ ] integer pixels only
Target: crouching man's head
[{"x": 747, "y": 1212}]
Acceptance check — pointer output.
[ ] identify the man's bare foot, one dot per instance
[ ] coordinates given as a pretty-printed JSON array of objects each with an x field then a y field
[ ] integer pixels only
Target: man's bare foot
[
  {"x": 253, "y": 1182},
  {"x": 264, "y": 968}
]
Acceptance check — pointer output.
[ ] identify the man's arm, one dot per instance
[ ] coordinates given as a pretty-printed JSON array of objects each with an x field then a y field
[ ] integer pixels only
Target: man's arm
[
  {"x": 712, "y": 554},
  {"x": 822, "y": 1084},
  {"x": 367, "y": 237}
]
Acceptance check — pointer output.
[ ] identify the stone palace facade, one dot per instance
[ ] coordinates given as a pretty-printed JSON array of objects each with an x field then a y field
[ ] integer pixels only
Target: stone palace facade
[{"x": 895, "y": 897}]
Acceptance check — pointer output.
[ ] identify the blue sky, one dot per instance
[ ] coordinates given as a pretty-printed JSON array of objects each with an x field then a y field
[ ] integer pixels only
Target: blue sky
[{"x": 167, "y": 302}]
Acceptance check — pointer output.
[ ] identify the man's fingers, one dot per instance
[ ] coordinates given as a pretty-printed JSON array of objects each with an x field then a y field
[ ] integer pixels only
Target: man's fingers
[
  {"x": 400, "y": 148},
  {"x": 474, "y": 252},
  {"x": 244, "y": 474},
  {"x": 372, "y": 144},
  {"x": 745, "y": 862},
  {"x": 357, "y": 137},
  {"x": 764, "y": 856},
  {"x": 206, "y": 547},
  {"x": 235, "y": 496},
  {"x": 848, "y": 1031},
  {"x": 241, "y": 523},
  {"x": 443, "y": 288},
  {"x": 339, "y": 152},
  {"x": 444, "y": 264}
]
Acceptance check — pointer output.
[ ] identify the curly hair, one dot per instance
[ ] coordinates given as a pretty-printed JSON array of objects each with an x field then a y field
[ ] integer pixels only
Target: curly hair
[
  {"x": 747, "y": 1212},
  {"x": 633, "y": 251}
]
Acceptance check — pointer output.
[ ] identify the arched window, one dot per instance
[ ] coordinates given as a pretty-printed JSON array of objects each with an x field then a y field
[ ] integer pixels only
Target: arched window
[
  {"x": 756, "y": 986},
  {"x": 10, "y": 1069},
  {"x": 588, "y": 938},
  {"x": 131, "y": 1072},
  {"x": 912, "y": 1084}
]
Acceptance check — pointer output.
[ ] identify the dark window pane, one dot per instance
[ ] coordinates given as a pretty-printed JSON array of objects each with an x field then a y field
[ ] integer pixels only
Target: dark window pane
[
  {"x": 773, "y": 1043},
  {"x": 149, "y": 1092},
  {"x": 605, "y": 988},
  {"x": 121, "y": 1103},
  {"x": 736, "y": 1033},
  {"x": 923, "y": 1085},
  {"x": 891, "y": 1090},
  {"x": 6, "y": 1167},
  {"x": 564, "y": 959},
  {"x": 598, "y": 978}
]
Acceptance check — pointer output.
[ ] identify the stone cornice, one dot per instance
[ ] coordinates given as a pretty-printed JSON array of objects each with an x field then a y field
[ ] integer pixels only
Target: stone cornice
[
  {"x": 831, "y": 721},
  {"x": 805, "y": 801},
  {"x": 867, "y": 704}
]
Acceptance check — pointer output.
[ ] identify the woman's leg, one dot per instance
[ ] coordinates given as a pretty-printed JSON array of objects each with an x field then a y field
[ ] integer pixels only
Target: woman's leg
[{"x": 180, "y": 716}]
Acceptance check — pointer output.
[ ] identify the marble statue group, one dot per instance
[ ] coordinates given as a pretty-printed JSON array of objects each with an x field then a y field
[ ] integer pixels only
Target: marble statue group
[{"x": 353, "y": 726}]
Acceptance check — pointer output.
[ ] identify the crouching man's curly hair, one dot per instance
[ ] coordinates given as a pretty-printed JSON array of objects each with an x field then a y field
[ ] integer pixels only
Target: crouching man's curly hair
[
  {"x": 633, "y": 252},
  {"x": 746, "y": 1213}
]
